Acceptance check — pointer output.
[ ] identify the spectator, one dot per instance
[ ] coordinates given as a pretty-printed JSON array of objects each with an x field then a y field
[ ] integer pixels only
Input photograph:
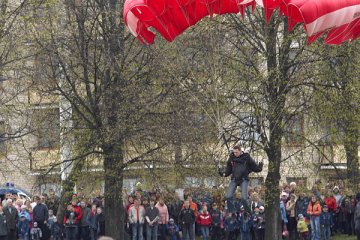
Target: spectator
[
  {"x": 91, "y": 220},
  {"x": 152, "y": 217},
  {"x": 41, "y": 215},
  {"x": 56, "y": 230},
  {"x": 137, "y": 219},
  {"x": 11, "y": 216},
  {"x": 3, "y": 227},
  {"x": 71, "y": 226},
  {"x": 100, "y": 222},
  {"x": 326, "y": 221},
  {"x": 204, "y": 220},
  {"x": 35, "y": 232},
  {"x": 187, "y": 220},
  {"x": 84, "y": 225},
  {"x": 314, "y": 211},
  {"x": 302, "y": 227},
  {"x": 23, "y": 228},
  {"x": 163, "y": 218},
  {"x": 172, "y": 230},
  {"x": 216, "y": 222}
]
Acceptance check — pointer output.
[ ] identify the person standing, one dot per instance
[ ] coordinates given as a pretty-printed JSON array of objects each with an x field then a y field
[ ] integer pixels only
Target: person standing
[
  {"x": 84, "y": 225},
  {"x": 137, "y": 219},
  {"x": 152, "y": 217},
  {"x": 11, "y": 216},
  {"x": 187, "y": 220},
  {"x": 41, "y": 215},
  {"x": 357, "y": 217},
  {"x": 163, "y": 217},
  {"x": 91, "y": 220},
  {"x": 3, "y": 227},
  {"x": 204, "y": 220},
  {"x": 314, "y": 211},
  {"x": 239, "y": 165}
]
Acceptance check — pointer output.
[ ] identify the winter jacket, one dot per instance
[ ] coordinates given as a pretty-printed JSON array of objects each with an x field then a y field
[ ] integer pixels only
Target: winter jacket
[
  {"x": 40, "y": 213},
  {"x": 240, "y": 167},
  {"x": 231, "y": 223},
  {"x": 36, "y": 233},
  {"x": 85, "y": 212},
  {"x": 26, "y": 214},
  {"x": 163, "y": 213},
  {"x": 331, "y": 203},
  {"x": 100, "y": 222},
  {"x": 152, "y": 214},
  {"x": 78, "y": 213},
  {"x": 204, "y": 219},
  {"x": 23, "y": 228},
  {"x": 301, "y": 207},
  {"x": 314, "y": 208},
  {"x": 194, "y": 207},
  {"x": 216, "y": 217},
  {"x": 172, "y": 229},
  {"x": 302, "y": 226},
  {"x": 56, "y": 230},
  {"x": 70, "y": 218},
  {"x": 91, "y": 220},
  {"x": 3, "y": 227},
  {"x": 283, "y": 212},
  {"x": 326, "y": 219},
  {"x": 136, "y": 215},
  {"x": 11, "y": 217},
  {"x": 245, "y": 224},
  {"x": 187, "y": 216},
  {"x": 258, "y": 220}
]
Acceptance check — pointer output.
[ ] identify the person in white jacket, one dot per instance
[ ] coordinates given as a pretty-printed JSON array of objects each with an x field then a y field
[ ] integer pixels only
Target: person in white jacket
[{"x": 137, "y": 219}]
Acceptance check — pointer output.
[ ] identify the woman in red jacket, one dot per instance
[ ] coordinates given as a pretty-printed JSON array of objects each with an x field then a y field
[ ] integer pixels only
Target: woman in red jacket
[{"x": 204, "y": 220}]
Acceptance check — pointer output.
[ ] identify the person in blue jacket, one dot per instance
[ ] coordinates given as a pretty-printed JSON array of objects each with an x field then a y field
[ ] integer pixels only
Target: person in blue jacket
[
  {"x": 231, "y": 226},
  {"x": 326, "y": 222},
  {"x": 245, "y": 226}
]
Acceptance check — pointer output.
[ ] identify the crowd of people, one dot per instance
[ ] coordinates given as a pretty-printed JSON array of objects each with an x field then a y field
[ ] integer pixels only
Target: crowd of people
[
  {"x": 36, "y": 220},
  {"x": 314, "y": 214}
]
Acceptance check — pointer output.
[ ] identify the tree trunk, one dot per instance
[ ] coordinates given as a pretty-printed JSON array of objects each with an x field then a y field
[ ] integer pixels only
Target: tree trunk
[{"x": 114, "y": 209}]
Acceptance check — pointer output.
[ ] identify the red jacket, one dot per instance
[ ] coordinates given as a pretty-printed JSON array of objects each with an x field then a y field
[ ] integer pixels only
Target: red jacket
[
  {"x": 204, "y": 219},
  {"x": 78, "y": 211},
  {"x": 331, "y": 203}
]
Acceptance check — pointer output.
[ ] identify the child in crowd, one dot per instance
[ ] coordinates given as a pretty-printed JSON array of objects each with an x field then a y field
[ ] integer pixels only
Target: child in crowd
[
  {"x": 302, "y": 227},
  {"x": 259, "y": 228},
  {"x": 231, "y": 226},
  {"x": 245, "y": 226},
  {"x": 50, "y": 221},
  {"x": 35, "y": 232},
  {"x": 23, "y": 228},
  {"x": 326, "y": 222},
  {"x": 56, "y": 230},
  {"x": 216, "y": 222},
  {"x": 172, "y": 229}
]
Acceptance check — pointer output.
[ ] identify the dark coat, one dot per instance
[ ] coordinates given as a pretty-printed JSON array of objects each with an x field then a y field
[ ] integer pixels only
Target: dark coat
[
  {"x": 187, "y": 216},
  {"x": 240, "y": 167},
  {"x": 40, "y": 213},
  {"x": 11, "y": 218},
  {"x": 3, "y": 227}
]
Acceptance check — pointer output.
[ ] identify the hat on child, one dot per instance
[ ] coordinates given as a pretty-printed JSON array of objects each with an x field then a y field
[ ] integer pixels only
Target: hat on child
[
  {"x": 300, "y": 216},
  {"x": 171, "y": 220},
  {"x": 261, "y": 208},
  {"x": 325, "y": 206}
]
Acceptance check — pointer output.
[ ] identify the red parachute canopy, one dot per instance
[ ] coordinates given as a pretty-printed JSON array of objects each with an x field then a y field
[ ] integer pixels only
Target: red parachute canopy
[{"x": 339, "y": 18}]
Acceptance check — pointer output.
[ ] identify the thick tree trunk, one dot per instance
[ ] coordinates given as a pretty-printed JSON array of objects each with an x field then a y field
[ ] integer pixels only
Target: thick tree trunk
[
  {"x": 273, "y": 219},
  {"x": 114, "y": 209}
]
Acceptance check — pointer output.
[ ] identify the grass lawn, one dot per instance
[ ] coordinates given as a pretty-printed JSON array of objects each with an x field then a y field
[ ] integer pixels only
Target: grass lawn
[{"x": 343, "y": 237}]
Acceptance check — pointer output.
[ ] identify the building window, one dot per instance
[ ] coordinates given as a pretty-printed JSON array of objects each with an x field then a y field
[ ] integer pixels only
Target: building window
[
  {"x": 46, "y": 127},
  {"x": 294, "y": 130}
]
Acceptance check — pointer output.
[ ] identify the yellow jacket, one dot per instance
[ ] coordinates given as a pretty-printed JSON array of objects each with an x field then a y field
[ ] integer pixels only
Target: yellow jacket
[{"x": 302, "y": 226}]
